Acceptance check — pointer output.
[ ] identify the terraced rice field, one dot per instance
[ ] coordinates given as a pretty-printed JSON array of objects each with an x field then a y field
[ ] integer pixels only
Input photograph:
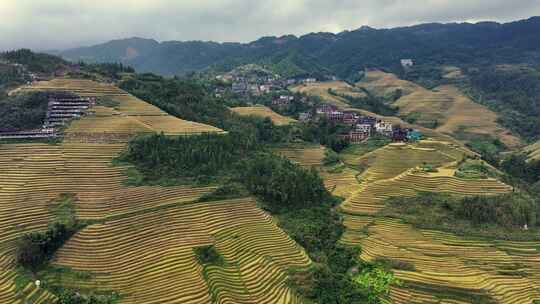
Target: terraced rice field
[
  {"x": 320, "y": 89},
  {"x": 130, "y": 117},
  {"x": 340, "y": 182},
  {"x": 385, "y": 85},
  {"x": 81, "y": 87},
  {"x": 262, "y": 111},
  {"x": 533, "y": 151},
  {"x": 142, "y": 242},
  {"x": 254, "y": 270},
  {"x": 455, "y": 113},
  {"x": 306, "y": 156},
  {"x": 447, "y": 268}
]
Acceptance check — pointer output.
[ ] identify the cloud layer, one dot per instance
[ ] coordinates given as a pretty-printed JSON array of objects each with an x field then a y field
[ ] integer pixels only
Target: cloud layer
[{"x": 58, "y": 24}]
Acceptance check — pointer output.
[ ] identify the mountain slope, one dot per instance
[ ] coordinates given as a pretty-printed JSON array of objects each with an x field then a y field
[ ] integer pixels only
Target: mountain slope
[
  {"x": 113, "y": 51},
  {"x": 343, "y": 54}
]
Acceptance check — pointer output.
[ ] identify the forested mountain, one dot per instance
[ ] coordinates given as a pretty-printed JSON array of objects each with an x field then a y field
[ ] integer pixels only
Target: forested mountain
[{"x": 343, "y": 54}]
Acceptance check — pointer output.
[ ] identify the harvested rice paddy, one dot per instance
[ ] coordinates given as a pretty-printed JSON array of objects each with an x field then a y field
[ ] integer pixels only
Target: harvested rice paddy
[
  {"x": 444, "y": 108},
  {"x": 141, "y": 239},
  {"x": 443, "y": 267},
  {"x": 385, "y": 85},
  {"x": 455, "y": 114},
  {"x": 262, "y": 111},
  {"x": 320, "y": 89}
]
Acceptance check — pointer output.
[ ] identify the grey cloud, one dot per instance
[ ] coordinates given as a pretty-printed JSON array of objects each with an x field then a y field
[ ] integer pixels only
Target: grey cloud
[{"x": 57, "y": 24}]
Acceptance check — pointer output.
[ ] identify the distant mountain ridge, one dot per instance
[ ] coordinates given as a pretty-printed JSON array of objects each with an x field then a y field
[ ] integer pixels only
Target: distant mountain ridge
[{"x": 342, "y": 54}]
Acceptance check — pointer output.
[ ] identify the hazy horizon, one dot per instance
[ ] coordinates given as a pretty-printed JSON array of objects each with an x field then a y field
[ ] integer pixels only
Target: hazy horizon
[{"x": 61, "y": 24}]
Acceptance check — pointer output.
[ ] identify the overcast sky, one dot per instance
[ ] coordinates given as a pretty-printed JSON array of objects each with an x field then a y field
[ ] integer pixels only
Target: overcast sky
[{"x": 59, "y": 24}]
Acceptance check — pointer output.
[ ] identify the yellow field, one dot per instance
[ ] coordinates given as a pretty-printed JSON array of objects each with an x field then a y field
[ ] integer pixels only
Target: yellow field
[
  {"x": 262, "y": 111},
  {"x": 320, "y": 89},
  {"x": 306, "y": 156},
  {"x": 455, "y": 113},
  {"x": 534, "y": 151},
  {"x": 385, "y": 85},
  {"x": 447, "y": 268},
  {"x": 143, "y": 244},
  {"x": 256, "y": 254},
  {"x": 81, "y": 87},
  {"x": 132, "y": 116}
]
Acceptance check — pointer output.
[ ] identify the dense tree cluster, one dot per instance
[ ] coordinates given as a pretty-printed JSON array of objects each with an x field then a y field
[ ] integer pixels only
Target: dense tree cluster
[
  {"x": 36, "y": 249},
  {"x": 111, "y": 70},
  {"x": 35, "y": 62},
  {"x": 519, "y": 167},
  {"x": 501, "y": 216},
  {"x": 325, "y": 132},
  {"x": 69, "y": 296},
  {"x": 10, "y": 76},
  {"x": 514, "y": 93},
  {"x": 23, "y": 111},
  {"x": 207, "y": 155},
  {"x": 342, "y": 54},
  {"x": 508, "y": 211},
  {"x": 208, "y": 255},
  {"x": 282, "y": 183}
]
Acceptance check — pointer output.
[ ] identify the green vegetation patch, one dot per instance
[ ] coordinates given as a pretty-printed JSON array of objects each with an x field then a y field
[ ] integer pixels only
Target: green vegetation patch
[
  {"x": 225, "y": 192},
  {"x": 209, "y": 255},
  {"x": 63, "y": 209},
  {"x": 35, "y": 62},
  {"x": 389, "y": 263},
  {"x": 475, "y": 169},
  {"x": 23, "y": 111},
  {"x": 107, "y": 102},
  {"x": 502, "y": 216},
  {"x": 199, "y": 158}
]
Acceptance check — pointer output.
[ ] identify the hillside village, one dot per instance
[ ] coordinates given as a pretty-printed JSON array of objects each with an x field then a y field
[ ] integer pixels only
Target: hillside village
[
  {"x": 362, "y": 127},
  {"x": 252, "y": 81}
]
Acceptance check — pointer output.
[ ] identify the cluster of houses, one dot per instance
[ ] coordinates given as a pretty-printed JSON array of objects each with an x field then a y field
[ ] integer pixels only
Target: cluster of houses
[
  {"x": 62, "y": 108},
  {"x": 362, "y": 127},
  {"x": 284, "y": 100},
  {"x": 257, "y": 84},
  {"x": 264, "y": 85}
]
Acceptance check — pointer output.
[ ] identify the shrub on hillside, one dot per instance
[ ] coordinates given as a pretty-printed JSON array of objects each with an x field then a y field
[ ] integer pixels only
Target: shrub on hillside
[{"x": 208, "y": 255}]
